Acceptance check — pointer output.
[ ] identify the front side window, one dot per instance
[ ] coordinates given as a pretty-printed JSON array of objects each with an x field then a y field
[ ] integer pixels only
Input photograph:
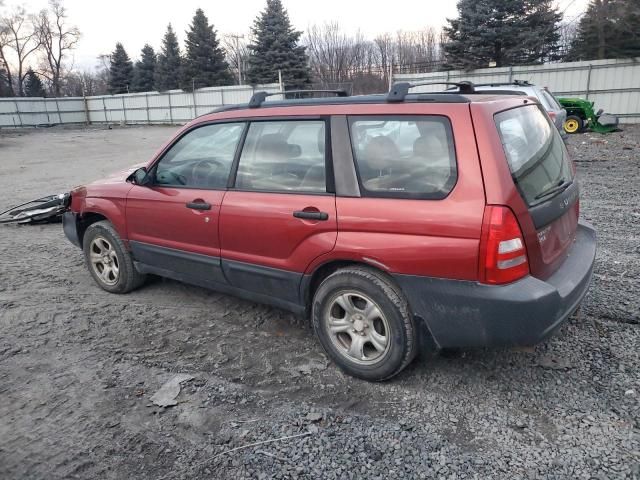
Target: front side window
[
  {"x": 284, "y": 156},
  {"x": 202, "y": 158},
  {"x": 404, "y": 157},
  {"x": 535, "y": 152}
]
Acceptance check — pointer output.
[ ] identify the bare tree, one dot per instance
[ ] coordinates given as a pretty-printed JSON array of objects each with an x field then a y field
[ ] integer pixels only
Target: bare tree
[
  {"x": 57, "y": 40},
  {"x": 334, "y": 56},
  {"x": 236, "y": 53},
  {"x": 338, "y": 58},
  {"x": 386, "y": 54},
  {"x": 18, "y": 40},
  {"x": 85, "y": 83},
  {"x": 417, "y": 51},
  {"x": 568, "y": 34}
]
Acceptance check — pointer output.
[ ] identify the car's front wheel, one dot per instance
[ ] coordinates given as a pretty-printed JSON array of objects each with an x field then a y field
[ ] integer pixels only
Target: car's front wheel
[
  {"x": 108, "y": 261},
  {"x": 364, "y": 323}
]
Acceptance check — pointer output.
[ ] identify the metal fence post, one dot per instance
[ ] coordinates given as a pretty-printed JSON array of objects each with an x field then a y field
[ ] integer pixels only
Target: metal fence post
[
  {"x": 510, "y": 73},
  {"x": 46, "y": 109},
  {"x": 58, "y": 110},
  {"x": 86, "y": 110},
  {"x": 195, "y": 109},
  {"x": 589, "y": 80},
  {"x": 18, "y": 112},
  {"x": 104, "y": 107},
  {"x": 124, "y": 110},
  {"x": 170, "y": 108},
  {"x": 146, "y": 101},
  {"x": 222, "y": 96}
]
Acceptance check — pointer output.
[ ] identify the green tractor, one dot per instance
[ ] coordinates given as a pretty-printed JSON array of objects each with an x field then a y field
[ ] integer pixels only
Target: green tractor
[{"x": 581, "y": 115}]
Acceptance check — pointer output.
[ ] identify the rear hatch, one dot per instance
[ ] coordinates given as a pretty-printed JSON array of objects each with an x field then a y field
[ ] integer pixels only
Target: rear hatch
[{"x": 545, "y": 177}]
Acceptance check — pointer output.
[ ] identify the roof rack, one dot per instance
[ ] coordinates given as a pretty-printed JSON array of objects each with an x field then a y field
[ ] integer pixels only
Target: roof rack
[
  {"x": 520, "y": 83},
  {"x": 400, "y": 90},
  {"x": 258, "y": 98}
]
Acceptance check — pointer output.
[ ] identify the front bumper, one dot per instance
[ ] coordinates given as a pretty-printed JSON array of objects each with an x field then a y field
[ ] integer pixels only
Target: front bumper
[
  {"x": 70, "y": 226},
  {"x": 469, "y": 314}
]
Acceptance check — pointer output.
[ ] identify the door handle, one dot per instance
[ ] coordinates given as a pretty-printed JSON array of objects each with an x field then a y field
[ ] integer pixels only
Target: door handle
[
  {"x": 311, "y": 215},
  {"x": 199, "y": 205}
]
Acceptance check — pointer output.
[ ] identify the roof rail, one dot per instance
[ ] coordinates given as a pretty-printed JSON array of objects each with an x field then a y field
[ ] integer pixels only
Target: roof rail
[
  {"x": 400, "y": 90},
  {"x": 520, "y": 83},
  {"x": 258, "y": 98}
]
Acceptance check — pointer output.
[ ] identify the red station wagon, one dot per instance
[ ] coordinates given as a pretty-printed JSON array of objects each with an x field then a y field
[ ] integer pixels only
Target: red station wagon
[{"x": 388, "y": 219}]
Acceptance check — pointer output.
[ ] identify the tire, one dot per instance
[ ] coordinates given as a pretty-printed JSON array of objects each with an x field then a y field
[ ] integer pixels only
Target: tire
[
  {"x": 573, "y": 124},
  {"x": 108, "y": 261},
  {"x": 377, "y": 318}
]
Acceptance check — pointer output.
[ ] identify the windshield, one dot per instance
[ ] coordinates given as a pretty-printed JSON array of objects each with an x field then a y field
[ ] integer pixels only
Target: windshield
[{"x": 534, "y": 150}]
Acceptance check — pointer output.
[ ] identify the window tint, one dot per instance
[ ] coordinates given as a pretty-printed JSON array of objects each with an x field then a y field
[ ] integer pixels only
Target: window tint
[
  {"x": 284, "y": 156},
  {"x": 534, "y": 150},
  {"x": 202, "y": 158},
  {"x": 404, "y": 157}
]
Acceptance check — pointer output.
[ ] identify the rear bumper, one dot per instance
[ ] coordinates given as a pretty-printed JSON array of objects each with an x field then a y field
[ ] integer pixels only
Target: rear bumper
[
  {"x": 525, "y": 312},
  {"x": 70, "y": 227}
]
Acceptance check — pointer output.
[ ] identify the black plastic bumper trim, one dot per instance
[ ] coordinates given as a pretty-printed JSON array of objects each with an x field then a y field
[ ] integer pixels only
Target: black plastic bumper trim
[
  {"x": 70, "y": 228},
  {"x": 469, "y": 314}
]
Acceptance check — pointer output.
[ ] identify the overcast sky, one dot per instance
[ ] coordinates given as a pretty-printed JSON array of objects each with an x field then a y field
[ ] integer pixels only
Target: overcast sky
[{"x": 136, "y": 22}]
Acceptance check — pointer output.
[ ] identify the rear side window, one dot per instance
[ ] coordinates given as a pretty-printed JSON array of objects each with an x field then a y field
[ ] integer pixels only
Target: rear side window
[
  {"x": 285, "y": 155},
  {"x": 404, "y": 157},
  {"x": 534, "y": 151}
]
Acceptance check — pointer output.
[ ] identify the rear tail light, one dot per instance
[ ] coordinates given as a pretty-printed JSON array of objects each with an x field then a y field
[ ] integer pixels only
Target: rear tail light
[
  {"x": 503, "y": 255},
  {"x": 552, "y": 115}
]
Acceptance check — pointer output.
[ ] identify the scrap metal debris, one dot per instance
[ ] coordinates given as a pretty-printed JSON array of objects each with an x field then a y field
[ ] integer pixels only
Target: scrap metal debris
[
  {"x": 44, "y": 209},
  {"x": 166, "y": 396}
]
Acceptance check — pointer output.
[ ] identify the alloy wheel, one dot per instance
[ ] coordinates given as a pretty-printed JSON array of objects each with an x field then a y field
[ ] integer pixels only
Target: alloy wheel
[
  {"x": 104, "y": 260},
  {"x": 357, "y": 327}
]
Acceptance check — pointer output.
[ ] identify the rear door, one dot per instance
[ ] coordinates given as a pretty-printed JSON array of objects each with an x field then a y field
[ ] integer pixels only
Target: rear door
[
  {"x": 544, "y": 176},
  {"x": 280, "y": 213},
  {"x": 420, "y": 197}
]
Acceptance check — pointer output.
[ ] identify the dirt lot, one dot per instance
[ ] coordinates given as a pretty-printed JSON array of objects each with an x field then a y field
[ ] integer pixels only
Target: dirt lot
[{"x": 78, "y": 365}]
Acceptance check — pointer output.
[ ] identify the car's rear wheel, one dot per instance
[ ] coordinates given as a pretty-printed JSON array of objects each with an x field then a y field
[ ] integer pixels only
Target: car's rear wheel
[
  {"x": 108, "y": 261},
  {"x": 573, "y": 124},
  {"x": 364, "y": 323}
]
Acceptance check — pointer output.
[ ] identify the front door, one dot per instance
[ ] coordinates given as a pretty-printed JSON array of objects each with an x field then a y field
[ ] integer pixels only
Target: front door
[
  {"x": 172, "y": 223},
  {"x": 281, "y": 214}
]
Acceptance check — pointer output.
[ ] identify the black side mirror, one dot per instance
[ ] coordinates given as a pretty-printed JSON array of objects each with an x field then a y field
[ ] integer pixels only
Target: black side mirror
[{"x": 140, "y": 177}]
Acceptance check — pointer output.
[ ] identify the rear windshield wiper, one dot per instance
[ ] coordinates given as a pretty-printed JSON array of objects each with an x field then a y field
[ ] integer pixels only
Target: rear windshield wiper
[{"x": 560, "y": 187}]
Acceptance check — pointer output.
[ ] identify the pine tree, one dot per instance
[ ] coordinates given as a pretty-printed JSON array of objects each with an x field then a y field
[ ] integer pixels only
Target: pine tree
[
  {"x": 275, "y": 47},
  {"x": 169, "y": 67},
  {"x": 608, "y": 29},
  {"x": 144, "y": 70},
  {"x": 33, "y": 86},
  {"x": 513, "y": 32},
  {"x": 204, "y": 64},
  {"x": 120, "y": 71},
  {"x": 5, "y": 90}
]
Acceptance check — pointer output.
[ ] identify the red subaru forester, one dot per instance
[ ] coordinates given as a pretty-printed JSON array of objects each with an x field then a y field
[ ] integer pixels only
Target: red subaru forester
[{"x": 388, "y": 219}]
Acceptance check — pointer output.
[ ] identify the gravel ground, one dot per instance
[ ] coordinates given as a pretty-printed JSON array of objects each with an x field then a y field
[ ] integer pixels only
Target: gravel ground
[{"x": 78, "y": 365}]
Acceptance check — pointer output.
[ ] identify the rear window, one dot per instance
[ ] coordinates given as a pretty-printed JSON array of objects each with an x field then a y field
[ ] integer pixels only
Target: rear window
[
  {"x": 404, "y": 157},
  {"x": 534, "y": 150},
  {"x": 551, "y": 100}
]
